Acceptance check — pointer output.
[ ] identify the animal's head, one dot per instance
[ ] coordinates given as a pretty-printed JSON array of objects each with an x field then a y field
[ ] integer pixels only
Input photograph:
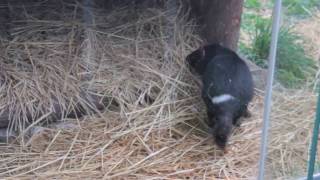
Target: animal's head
[
  {"x": 222, "y": 130},
  {"x": 198, "y": 59},
  {"x": 195, "y": 58}
]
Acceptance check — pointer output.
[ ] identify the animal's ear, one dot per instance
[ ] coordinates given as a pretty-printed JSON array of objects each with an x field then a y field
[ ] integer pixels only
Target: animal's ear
[{"x": 196, "y": 56}]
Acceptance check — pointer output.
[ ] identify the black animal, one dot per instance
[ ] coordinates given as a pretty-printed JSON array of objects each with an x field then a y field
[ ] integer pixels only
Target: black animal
[{"x": 227, "y": 88}]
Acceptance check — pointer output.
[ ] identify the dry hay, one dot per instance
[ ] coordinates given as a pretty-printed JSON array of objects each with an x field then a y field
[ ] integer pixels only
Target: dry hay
[
  {"x": 292, "y": 118},
  {"x": 309, "y": 28},
  {"x": 156, "y": 129}
]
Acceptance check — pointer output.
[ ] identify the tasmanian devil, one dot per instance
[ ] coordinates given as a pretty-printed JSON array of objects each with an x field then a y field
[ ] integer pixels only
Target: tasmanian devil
[{"x": 227, "y": 88}]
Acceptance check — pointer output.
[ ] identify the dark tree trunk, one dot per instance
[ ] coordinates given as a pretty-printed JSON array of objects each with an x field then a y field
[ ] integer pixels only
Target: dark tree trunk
[
  {"x": 220, "y": 20},
  {"x": 4, "y": 20}
]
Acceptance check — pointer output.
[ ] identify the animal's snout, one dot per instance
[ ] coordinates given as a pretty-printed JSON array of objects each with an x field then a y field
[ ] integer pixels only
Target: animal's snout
[{"x": 221, "y": 140}]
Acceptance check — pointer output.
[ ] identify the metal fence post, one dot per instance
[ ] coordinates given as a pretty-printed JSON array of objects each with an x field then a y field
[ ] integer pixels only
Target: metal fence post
[{"x": 267, "y": 102}]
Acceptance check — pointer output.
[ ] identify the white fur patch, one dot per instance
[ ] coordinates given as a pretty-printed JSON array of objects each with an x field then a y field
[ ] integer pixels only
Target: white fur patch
[{"x": 221, "y": 98}]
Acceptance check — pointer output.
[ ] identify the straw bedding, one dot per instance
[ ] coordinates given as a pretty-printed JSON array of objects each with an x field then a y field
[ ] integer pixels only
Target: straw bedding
[{"x": 153, "y": 126}]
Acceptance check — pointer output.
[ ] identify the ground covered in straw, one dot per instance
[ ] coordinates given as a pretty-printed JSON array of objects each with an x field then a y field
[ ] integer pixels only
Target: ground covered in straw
[{"x": 154, "y": 125}]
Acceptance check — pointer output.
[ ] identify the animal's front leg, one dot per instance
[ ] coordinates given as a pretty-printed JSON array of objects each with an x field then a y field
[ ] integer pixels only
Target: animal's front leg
[
  {"x": 246, "y": 113},
  {"x": 210, "y": 120},
  {"x": 237, "y": 121}
]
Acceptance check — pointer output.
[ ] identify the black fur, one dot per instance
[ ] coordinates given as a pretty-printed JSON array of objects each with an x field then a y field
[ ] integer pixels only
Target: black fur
[{"x": 223, "y": 72}]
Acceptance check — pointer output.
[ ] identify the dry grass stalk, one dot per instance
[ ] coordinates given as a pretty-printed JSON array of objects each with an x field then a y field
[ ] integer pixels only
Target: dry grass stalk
[{"x": 156, "y": 131}]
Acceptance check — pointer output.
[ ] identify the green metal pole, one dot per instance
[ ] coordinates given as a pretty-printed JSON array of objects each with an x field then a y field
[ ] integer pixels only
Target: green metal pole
[{"x": 314, "y": 143}]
